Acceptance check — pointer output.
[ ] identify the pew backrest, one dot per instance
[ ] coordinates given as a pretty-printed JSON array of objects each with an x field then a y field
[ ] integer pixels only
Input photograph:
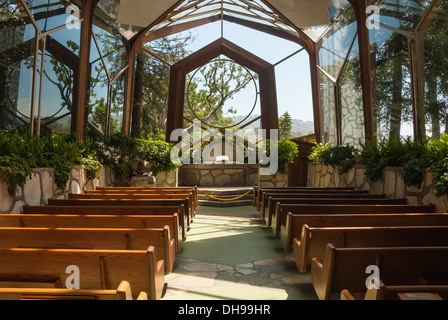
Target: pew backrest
[
  {"x": 123, "y": 292},
  {"x": 99, "y": 269},
  {"x": 294, "y": 222},
  {"x": 282, "y": 209},
  {"x": 92, "y": 238},
  {"x": 345, "y": 268},
  {"x": 314, "y": 240}
]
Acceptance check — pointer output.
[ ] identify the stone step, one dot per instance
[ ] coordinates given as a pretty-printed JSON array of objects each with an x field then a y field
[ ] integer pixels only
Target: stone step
[
  {"x": 223, "y": 204},
  {"x": 225, "y": 193}
]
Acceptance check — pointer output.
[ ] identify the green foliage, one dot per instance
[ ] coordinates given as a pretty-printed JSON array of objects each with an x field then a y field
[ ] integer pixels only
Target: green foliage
[
  {"x": 20, "y": 153},
  {"x": 343, "y": 157},
  {"x": 121, "y": 151},
  {"x": 415, "y": 157},
  {"x": 285, "y": 126},
  {"x": 439, "y": 165},
  {"x": 287, "y": 153},
  {"x": 158, "y": 153}
]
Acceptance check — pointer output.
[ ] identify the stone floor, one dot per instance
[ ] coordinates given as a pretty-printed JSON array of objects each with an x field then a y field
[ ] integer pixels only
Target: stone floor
[{"x": 230, "y": 254}]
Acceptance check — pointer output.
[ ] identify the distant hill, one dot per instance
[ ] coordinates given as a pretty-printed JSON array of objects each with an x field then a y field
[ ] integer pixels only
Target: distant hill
[{"x": 299, "y": 127}]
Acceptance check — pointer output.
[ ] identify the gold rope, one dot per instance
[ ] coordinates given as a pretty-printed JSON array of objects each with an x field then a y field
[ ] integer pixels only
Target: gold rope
[{"x": 237, "y": 198}]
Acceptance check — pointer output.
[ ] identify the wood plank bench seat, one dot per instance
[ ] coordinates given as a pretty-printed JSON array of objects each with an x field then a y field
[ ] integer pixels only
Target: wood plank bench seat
[
  {"x": 135, "y": 196},
  {"x": 272, "y": 199},
  {"x": 294, "y": 223},
  {"x": 267, "y": 192},
  {"x": 276, "y": 219},
  {"x": 125, "y": 203},
  {"x": 94, "y": 221},
  {"x": 345, "y": 268},
  {"x": 179, "y": 231},
  {"x": 190, "y": 194},
  {"x": 282, "y": 210},
  {"x": 193, "y": 190},
  {"x": 257, "y": 191},
  {"x": 313, "y": 241},
  {"x": 99, "y": 269},
  {"x": 400, "y": 292},
  {"x": 123, "y": 292},
  {"x": 92, "y": 238}
]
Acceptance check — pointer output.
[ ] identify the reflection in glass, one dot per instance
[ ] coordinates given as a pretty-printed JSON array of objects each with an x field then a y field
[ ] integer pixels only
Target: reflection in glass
[
  {"x": 436, "y": 76},
  {"x": 391, "y": 85}
]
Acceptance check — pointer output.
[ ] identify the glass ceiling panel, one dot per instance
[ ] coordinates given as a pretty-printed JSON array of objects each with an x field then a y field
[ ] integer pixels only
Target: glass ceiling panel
[
  {"x": 400, "y": 14},
  {"x": 337, "y": 42}
]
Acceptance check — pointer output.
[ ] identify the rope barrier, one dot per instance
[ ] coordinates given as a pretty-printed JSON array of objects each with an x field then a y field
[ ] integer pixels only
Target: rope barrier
[{"x": 219, "y": 199}]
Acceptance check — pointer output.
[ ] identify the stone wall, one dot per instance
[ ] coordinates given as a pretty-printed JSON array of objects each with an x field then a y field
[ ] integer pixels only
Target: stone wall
[
  {"x": 218, "y": 175},
  {"x": 392, "y": 184},
  {"x": 228, "y": 175},
  {"x": 41, "y": 186},
  {"x": 279, "y": 180},
  {"x": 163, "y": 179}
]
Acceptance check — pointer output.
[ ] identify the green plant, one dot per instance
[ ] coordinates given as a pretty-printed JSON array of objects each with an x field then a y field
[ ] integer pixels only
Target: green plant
[
  {"x": 439, "y": 165},
  {"x": 287, "y": 153},
  {"x": 92, "y": 167},
  {"x": 21, "y": 152},
  {"x": 158, "y": 153},
  {"x": 343, "y": 157}
]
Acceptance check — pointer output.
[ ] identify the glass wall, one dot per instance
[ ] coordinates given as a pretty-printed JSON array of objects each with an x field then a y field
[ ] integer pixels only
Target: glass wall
[
  {"x": 107, "y": 75},
  {"x": 436, "y": 75},
  {"x": 17, "y": 38},
  {"x": 341, "y": 107},
  {"x": 37, "y": 81}
]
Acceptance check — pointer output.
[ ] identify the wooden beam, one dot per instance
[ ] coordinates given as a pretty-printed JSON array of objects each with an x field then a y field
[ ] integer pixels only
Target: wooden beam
[
  {"x": 170, "y": 30},
  {"x": 315, "y": 93},
  {"x": 266, "y": 72},
  {"x": 79, "y": 110}
]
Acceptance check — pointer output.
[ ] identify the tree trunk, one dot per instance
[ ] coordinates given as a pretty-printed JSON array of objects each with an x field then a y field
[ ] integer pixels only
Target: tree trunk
[{"x": 395, "y": 109}]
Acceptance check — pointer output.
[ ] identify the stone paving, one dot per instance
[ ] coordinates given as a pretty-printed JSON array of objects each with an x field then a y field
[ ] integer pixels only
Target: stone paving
[{"x": 230, "y": 254}]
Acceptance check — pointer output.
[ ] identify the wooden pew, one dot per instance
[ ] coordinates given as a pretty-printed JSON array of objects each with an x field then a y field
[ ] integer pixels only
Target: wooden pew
[
  {"x": 99, "y": 269},
  {"x": 135, "y": 196},
  {"x": 313, "y": 241},
  {"x": 272, "y": 199},
  {"x": 178, "y": 230},
  {"x": 194, "y": 190},
  {"x": 282, "y": 210},
  {"x": 400, "y": 292},
  {"x": 92, "y": 238},
  {"x": 93, "y": 221},
  {"x": 345, "y": 268},
  {"x": 125, "y": 203},
  {"x": 264, "y": 194},
  {"x": 191, "y": 194},
  {"x": 294, "y": 222},
  {"x": 257, "y": 191},
  {"x": 123, "y": 292}
]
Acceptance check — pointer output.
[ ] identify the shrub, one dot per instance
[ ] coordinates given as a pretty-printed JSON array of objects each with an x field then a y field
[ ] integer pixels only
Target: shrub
[
  {"x": 21, "y": 152},
  {"x": 343, "y": 157}
]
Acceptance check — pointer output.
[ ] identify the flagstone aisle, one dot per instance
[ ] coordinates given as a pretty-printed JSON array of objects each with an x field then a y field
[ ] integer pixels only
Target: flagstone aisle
[{"x": 230, "y": 254}]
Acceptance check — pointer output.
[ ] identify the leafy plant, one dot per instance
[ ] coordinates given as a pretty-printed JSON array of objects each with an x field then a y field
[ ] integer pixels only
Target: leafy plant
[
  {"x": 287, "y": 153},
  {"x": 21, "y": 152},
  {"x": 343, "y": 157}
]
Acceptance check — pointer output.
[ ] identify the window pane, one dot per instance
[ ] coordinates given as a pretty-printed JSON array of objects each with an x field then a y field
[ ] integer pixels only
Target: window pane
[
  {"x": 391, "y": 84},
  {"x": 436, "y": 66},
  {"x": 328, "y": 111}
]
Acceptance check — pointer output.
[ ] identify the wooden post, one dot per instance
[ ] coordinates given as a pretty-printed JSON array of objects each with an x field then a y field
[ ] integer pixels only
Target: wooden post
[{"x": 79, "y": 110}]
